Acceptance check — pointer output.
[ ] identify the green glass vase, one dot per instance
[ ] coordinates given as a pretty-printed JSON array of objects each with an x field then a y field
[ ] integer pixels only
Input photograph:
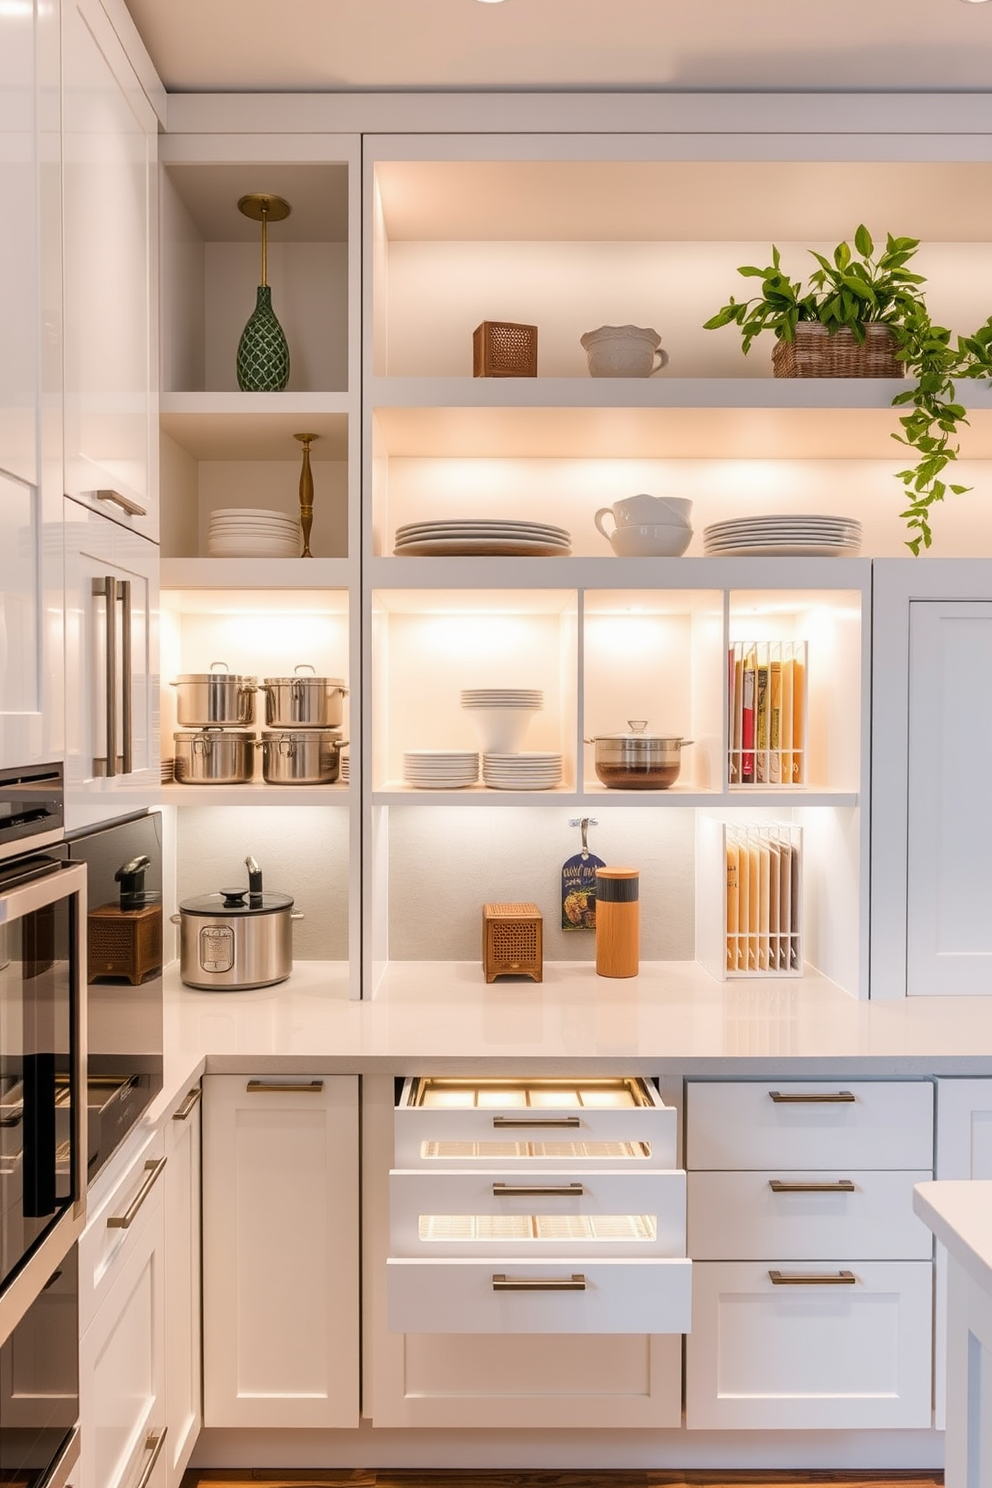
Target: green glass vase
[{"x": 263, "y": 355}]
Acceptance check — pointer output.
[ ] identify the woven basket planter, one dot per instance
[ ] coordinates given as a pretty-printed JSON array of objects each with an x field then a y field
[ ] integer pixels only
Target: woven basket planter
[{"x": 815, "y": 352}]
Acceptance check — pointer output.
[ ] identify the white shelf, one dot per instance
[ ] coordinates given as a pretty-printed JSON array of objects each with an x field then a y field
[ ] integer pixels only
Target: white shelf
[
  {"x": 256, "y": 794},
  {"x": 256, "y": 426},
  {"x": 609, "y": 573},
  {"x": 309, "y": 575},
  {"x": 602, "y": 796}
]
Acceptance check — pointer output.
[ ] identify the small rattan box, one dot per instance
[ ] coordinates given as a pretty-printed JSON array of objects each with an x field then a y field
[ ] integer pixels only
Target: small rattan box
[
  {"x": 512, "y": 941},
  {"x": 501, "y": 348}
]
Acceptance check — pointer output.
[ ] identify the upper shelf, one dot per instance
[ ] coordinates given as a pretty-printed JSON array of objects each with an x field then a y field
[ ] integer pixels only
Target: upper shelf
[{"x": 255, "y": 426}]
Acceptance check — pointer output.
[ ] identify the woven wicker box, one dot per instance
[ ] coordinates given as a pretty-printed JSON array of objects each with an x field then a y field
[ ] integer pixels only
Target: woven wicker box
[
  {"x": 816, "y": 352},
  {"x": 501, "y": 348},
  {"x": 512, "y": 941}
]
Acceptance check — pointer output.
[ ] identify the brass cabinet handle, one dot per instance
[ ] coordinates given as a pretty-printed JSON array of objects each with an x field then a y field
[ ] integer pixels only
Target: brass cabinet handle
[
  {"x": 153, "y": 1171},
  {"x": 154, "y": 1442},
  {"x": 105, "y": 588},
  {"x": 842, "y": 1185},
  {"x": 574, "y": 1283},
  {"x": 272, "y": 1087},
  {"x": 127, "y": 682},
  {"x": 538, "y": 1190},
  {"x": 559, "y": 1121},
  {"x": 813, "y": 1278},
  {"x": 189, "y": 1104},
  {"x": 815, "y": 1097},
  {"x": 124, "y": 502}
]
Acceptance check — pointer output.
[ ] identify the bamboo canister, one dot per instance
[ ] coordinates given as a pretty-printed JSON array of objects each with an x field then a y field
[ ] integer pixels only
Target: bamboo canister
[{"x": 618, "y": 922}]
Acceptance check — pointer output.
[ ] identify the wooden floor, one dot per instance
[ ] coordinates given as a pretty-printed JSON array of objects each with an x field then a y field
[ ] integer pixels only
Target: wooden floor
[{"x": 260, "y": 1477}]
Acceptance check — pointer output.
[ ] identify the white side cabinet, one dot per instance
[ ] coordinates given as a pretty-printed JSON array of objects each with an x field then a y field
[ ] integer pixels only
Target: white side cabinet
[
  {"x": 280, "y": 1251},
  {"x": 121, "y": 1320},
  {"x": 183, "y": 1334},
  {"x": 110, "y": 272}
]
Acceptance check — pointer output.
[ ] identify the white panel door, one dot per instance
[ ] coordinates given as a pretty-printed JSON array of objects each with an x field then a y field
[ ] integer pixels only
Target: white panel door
[
  {"x": 112, "y": 683},
  {"x": 19, "y": 244},
  {"x": 949, "y": 870},
  {"x": 183, "y": 1337},
  {"x": 109, "y": 152},
  {"x": 31, "y": 638},
  {"x": 280, "y": 1251}
]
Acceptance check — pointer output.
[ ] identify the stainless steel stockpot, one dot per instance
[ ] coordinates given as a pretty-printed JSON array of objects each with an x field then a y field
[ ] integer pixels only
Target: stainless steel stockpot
[
  {"x": 214, "y": 756},
  {"x": 237, "y": 938},
  {"x": 638, "y": 760},
  {"x": 215, "y": 699},
  {"x": 301, "y": 756},
  {"x": 303, "y": 700}
]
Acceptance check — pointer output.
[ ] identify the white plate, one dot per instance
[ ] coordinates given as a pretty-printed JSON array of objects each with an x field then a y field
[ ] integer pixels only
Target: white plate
[
  {"x": 404, "y": 540},
  {"x": 249, "y": 511},
  {"x": 787, "y": 550},
  {"x": 784, "y": 534},
  {"x": 439, "y": 756},
  {"x": 797, "y": 519},
  {"x": 480, "y": 524},
  {"x": 470, "y": 547}
]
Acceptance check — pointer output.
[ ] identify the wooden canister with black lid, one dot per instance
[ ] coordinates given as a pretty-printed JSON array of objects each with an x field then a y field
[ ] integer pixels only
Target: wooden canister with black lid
[{"x": 618, "y": 921}]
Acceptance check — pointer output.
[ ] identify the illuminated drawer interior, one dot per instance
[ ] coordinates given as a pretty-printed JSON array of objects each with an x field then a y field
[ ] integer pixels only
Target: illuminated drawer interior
[
  {"x": 453, "y": 1149},
  {"x": 529, "y": 1095},
  {"x": 551, "y": 1227}
]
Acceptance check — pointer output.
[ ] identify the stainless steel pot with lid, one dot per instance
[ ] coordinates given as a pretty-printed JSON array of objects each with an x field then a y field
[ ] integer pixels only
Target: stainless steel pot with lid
[
  {"x": 638, "y": 760},
  {"x": 236, "y": 938},
  {"x": 303, "y": 701},
  {"x": 301, "y": 756},
  {"x": 215, "y": 699},
  {"x": 214, "y": 756}
]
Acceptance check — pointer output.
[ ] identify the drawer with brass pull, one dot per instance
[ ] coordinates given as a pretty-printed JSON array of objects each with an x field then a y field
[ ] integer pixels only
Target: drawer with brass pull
[{"x": 116, "y": 1224}]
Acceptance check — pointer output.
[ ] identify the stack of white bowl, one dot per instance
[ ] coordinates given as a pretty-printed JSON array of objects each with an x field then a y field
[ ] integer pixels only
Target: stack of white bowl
[
  {"x": 502, "y": 715},
  {"x": 440, "y": 769},
  {"x": 250, "y": 532},
  {"x": 532, "y": 771}
]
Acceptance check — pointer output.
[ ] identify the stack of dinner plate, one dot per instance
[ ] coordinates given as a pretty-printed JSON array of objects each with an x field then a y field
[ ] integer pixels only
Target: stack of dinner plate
[
  {"x": 784, "y": 535},
  {"x": 531, "y": 771},
  {"x": 440, "y": 769},
  {"x": 481, "y": 536},
  {"x": 531, "y": 698},
  {"x": 344, "y": 770},
  {"x": 248, "y": 532}
]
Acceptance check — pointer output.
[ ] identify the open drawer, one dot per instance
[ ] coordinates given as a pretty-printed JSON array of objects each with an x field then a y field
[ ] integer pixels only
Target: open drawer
[
  {"x": 530, "y": 1124},
  {"x": 548, "y": 1296},
  {"x": 590, "y": 1213}
]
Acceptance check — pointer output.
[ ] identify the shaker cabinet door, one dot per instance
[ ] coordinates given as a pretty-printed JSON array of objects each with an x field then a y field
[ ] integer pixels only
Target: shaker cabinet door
[{"x": 109, "y": 153}]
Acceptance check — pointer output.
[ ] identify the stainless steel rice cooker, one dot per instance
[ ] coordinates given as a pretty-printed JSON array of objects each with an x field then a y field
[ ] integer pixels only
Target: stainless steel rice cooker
[{"x": 237, "y": 938}]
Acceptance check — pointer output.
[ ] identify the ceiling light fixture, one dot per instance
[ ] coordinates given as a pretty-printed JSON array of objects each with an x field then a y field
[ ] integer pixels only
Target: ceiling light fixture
[
  {"x": 974, "y": 2},
  {"x": 491, "y": 2}
]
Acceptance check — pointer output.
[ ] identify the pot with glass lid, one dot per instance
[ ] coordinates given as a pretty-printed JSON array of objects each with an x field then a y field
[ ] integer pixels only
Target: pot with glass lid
[
  {"x": 638, "y": 760},
  {"x": 236, "y": 938}
]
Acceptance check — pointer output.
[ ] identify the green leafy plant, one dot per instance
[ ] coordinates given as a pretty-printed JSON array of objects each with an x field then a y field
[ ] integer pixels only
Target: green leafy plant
[{"x": 857, "y": 288}]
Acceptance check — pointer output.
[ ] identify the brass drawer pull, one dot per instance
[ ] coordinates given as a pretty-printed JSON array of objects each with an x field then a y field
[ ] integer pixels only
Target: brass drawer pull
[
  {"x": 814, "y": 1097},
  {"x": 273, "y": 1087},
  {"x": 153, "y": 1171},
  {"x": 189, "y": 1104},
  {"x": 569, "y": 1121},
  {"x": 124, "y": 502},
  {"x": 814, "y": 1278},
  {"x": 574, "y": 1283},
  {"x": 842, "y": 1185},
  {"x": 154, "y": 1442},
  {"x": 538, "y": 1190}
]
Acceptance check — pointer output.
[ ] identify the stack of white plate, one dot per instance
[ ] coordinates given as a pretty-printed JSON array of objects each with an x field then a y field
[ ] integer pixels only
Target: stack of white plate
[
  {"x": 502, "y": 715},
  {"x": 531, "y": 698},
  {"x": 784, "y": 535},
  {"x": 344, "y": 770},
  {"x": 440, "y": 769},
  {"x": 481, "y": 536},
  {"x": 248, "y": 532},
  {"x": 533, "y": 771}
]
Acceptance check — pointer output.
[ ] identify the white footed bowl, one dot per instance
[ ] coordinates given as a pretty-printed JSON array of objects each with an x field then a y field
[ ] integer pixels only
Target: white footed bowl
[
  {"x": 651, "y": 540},
  {"x": 501, "y": 730}
]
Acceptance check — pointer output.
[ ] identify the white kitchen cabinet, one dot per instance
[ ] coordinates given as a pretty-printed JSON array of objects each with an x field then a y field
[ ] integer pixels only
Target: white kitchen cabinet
[
  {"x": 280, "y": 1251},
  {"x": 122, "y": 1317},
  {"x": 183, "y": 1332},
  {"x": 110, "y": 272},
  {"x": 111, "y": 621},
  {"x": 497, "y": 1375}
]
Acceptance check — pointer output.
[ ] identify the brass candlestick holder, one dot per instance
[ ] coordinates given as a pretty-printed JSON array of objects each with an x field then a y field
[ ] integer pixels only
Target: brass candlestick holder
[{"x": 306, "y": 492}]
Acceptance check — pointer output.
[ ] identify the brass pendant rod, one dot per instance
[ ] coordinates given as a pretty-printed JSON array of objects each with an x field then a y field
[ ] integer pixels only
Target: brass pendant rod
[
  {"x": 265, "y": 246},
  {"x": 306, "y": 492}
]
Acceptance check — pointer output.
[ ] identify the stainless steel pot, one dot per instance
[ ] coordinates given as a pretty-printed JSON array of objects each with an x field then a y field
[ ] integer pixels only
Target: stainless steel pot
[
  {"x": 237, "y": 938},
  {"x": 214, "y": 756},
  {"x": 301, "y": 756},
  {"x": 215, "y": 699},
  {"x": 638, "y": 760},
  {"x": 303, "y": 701}
]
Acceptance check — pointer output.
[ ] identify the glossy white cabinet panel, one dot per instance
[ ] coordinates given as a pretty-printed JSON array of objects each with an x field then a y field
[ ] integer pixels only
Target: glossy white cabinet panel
[
  {"x": 789, "y": 1124},
  {"x": 280, "y": 1251},
  {"x": 107, "y": 1242},
  {"x": 112, "y": 683},
  {"x": 806, "y": 1216},
  {"x": 109, "y": 153},
  {"x": 183, "y": 1333},
  {"x": 32, "y": 718},
  {"x": 848, "y": 1349}
]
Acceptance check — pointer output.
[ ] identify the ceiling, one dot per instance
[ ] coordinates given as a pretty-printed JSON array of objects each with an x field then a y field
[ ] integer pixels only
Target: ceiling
[{"x": 535, "y": 45}]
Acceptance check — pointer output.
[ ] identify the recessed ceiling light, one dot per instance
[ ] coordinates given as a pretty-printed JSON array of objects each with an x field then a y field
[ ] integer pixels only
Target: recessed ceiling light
[
  {"x": 492, "y": 2},
  {"x": 974, "y": 2}
]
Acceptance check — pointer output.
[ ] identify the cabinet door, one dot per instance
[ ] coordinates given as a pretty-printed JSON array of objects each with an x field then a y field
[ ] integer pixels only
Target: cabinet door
[
  {"x": 112, "y": 688},
  {"x": 949, "y": 877},
  {"x": 280, "y": 1251},
  {"x": 121, "y": 1352},
  {"x": 109, "y": 151},
  {"x": 183, "y": 1373}
]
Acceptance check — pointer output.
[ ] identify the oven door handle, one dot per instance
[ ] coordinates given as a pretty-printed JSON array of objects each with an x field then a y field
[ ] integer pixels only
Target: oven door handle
[{"x": 105, "y": 588}]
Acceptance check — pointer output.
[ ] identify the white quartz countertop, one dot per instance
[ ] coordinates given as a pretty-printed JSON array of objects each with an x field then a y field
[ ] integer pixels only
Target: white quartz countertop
[
  {"x": 673, "y": 1017},
  {"x": 959, "y": 1211}
]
